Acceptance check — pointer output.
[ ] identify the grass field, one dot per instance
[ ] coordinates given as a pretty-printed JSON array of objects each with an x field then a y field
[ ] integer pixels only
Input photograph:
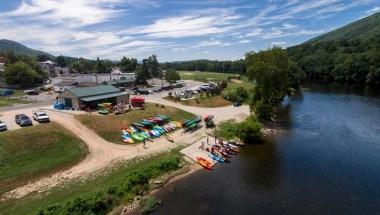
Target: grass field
[
  {"x": 209, "y": 102},
  {"x": 5, "y": 101},
  {"x": 109, "y": 126},
  {"x": 99, "y": 194},
  {"x": 204, "y": 76},
  {"x": 28, "y": 153},
  {"x": 216, "y": 101}
]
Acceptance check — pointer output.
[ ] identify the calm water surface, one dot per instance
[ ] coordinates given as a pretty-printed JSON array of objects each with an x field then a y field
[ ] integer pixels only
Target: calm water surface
[{"x": 328, "y": 162}]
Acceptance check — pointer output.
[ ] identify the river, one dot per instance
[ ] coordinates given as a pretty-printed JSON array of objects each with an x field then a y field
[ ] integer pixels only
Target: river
[{"x": 327, "y": 162}]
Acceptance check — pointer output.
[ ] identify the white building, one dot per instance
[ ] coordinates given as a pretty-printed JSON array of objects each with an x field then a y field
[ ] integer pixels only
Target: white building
[{"x": 2, "y": 64}]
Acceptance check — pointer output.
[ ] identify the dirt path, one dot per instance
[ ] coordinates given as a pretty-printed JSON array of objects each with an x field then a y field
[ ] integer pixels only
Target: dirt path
[{"x": 102, "y": 153}]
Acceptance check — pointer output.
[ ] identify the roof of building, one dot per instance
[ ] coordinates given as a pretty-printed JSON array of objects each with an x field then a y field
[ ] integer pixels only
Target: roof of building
[
  {"x": 124, "y": 81},
  {"x": 66, "y": 83},
  {"x": 93, "y": 91},
  {"x": 106, "y": 96}
]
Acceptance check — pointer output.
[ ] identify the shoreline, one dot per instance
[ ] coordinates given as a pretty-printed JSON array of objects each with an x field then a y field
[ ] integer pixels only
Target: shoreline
[{"x": 270, "y": 129}]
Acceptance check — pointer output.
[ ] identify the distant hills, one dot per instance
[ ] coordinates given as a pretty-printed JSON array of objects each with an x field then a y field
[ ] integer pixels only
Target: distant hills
[
  {"x": 20, "y": 49},
  {"x": 347, "y": 54}
]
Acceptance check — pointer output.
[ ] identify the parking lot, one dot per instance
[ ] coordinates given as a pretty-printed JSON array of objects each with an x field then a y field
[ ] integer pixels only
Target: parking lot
[{"x": 9, "y": 117}]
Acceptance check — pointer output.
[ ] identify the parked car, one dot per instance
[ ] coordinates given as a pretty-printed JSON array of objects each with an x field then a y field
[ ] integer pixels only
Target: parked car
[
  {"x": 6, "y": 92},
  {"x": 143, "y": 92},
  {"x": 23, "y": 120},
  {"x": 41, "y": 116},
  {"x": 157, "y": 90},
  {"x": 3, "y": 126},
  {"x": 31, "y": 92}
]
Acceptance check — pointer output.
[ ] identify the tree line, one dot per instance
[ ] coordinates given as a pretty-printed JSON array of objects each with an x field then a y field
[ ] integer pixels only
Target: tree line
[
  {"x": 343, "y": 60},
  {"x": 237, "y": 66}
]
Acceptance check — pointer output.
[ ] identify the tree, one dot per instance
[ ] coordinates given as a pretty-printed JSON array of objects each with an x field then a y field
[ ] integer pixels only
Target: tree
[
  {"x": 270, "y": 70},
  {"x": 100, "y": 67},
  {"x": 128, "y": 64},
  {"x": 21, "y": 74},
  {"x": 42, "y": 57},
  {"x": 154, "y": 66},
  {"x": 143, "y": 74},
  {"x": 172, "y": 76},
  {"x": 61, "y": 61}
]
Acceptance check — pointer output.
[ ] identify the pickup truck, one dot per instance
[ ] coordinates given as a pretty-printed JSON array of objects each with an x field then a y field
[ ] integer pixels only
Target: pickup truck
[
  {"x": 3, "y": 126},
  {"x": 23, "y": 120},
  {"x": 41, "y": 116}
]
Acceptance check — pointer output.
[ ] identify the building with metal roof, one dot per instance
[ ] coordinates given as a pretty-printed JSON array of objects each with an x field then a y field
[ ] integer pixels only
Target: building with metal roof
[{"x": 82, "y": 97}]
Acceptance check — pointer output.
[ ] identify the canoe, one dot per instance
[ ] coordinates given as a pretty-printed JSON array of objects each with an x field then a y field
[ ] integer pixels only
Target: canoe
[
  {"x": 216, "y": 158},
  {"x": 186, "y": 122},
  {"x": 204, "y": 163},
  {"x": 163, "y": 117},
  {"x": 127, "y": 139},
  {"x": 138, "y": 125},
  {"x": 154, "y": 133},
  {"x": 146, "y": 123},
  {"x": 137, "y": 137},
  {"x": 159, "y": 128}
]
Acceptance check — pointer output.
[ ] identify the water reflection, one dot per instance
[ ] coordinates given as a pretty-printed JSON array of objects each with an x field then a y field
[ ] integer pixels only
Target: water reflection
[{"x": 326, "y": 163}]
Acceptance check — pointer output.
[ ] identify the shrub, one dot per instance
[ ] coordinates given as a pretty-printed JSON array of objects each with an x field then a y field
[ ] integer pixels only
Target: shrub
[
  {"x": 239, "y": 94},
  {"x": 248, "y": 131},
  {"x": 103, "y": 201},
  {"x": 149, "y": 204},
  {"x": 263, "y": 111}
]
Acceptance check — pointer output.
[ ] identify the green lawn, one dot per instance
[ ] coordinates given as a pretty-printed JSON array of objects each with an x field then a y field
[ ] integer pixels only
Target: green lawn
[
  {"x": 209, "y": 102},
  {"x": 5, "y": 101},
  {"x": 204, "y": 76},
  {"x": 31, "y": 152},
  {"x": 99, "y": 194},
  {"x": 109, "y": 126}
]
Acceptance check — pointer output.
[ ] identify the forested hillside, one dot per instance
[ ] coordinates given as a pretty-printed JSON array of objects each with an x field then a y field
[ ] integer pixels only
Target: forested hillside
[
  {"x": 348, "y": 54},
  {"x": 20, "y": 49}
]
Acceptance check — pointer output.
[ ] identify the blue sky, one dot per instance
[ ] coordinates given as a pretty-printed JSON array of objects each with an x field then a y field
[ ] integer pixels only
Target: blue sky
[{"x": 172, "y": 29}]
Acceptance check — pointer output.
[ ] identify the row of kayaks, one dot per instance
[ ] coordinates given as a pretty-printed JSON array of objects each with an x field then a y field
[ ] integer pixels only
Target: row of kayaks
[
  {"x": 191, "y": 124},
  {"x": 149, "y": 128},
  {"x": 146, "y": 129},
  {"x": 220, "y": 153}
]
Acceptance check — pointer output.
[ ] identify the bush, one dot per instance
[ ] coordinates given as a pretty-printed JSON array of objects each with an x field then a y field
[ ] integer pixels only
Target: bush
[
  {"x": 248, "y": 131},
  {"x": 227, "y": 129},
  {"x": 239, "y": 94},
  {"x": 263, "y": 111},
  {"x": 102, "y": 202},
  {"x": 149, "y": 204}
]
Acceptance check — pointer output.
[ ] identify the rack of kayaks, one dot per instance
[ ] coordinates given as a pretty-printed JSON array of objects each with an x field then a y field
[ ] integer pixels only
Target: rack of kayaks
[{"x": 154, "y": 127}]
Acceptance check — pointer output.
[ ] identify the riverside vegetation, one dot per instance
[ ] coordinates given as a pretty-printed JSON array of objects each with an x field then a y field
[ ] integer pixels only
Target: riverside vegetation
[{"x": 100, "y": 194}]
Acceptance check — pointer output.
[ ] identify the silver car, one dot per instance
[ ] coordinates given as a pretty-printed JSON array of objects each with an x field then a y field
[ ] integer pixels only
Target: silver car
[{"x": 3, "y": 126}]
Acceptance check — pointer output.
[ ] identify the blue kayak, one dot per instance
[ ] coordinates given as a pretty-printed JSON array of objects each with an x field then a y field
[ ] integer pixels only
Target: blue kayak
[{"x": 216, "y": 158}]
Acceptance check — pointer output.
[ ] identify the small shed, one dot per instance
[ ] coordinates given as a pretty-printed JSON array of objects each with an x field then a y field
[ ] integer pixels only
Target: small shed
[{"x": 81, "y": 97}]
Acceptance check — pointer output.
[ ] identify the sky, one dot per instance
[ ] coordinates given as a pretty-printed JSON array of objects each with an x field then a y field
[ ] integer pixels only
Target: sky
[{"x": 174, "y": 30}]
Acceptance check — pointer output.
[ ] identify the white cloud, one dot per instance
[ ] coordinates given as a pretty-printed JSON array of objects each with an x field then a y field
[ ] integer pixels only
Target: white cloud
[
  {"x": 373, "y": 10},
  {"x": 202, "y": 23},
  {"x": 69, "y": 12},
  {"x": 244, "y": 41},
  {"x": 278, "y": 43}
]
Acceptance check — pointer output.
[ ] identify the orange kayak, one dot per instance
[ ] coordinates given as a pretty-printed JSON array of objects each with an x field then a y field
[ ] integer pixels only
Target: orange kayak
[{"x": 204, "y": 163}]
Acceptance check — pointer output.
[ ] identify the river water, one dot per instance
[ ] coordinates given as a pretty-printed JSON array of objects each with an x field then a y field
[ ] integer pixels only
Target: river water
[{"x": 327, "y": 162}]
